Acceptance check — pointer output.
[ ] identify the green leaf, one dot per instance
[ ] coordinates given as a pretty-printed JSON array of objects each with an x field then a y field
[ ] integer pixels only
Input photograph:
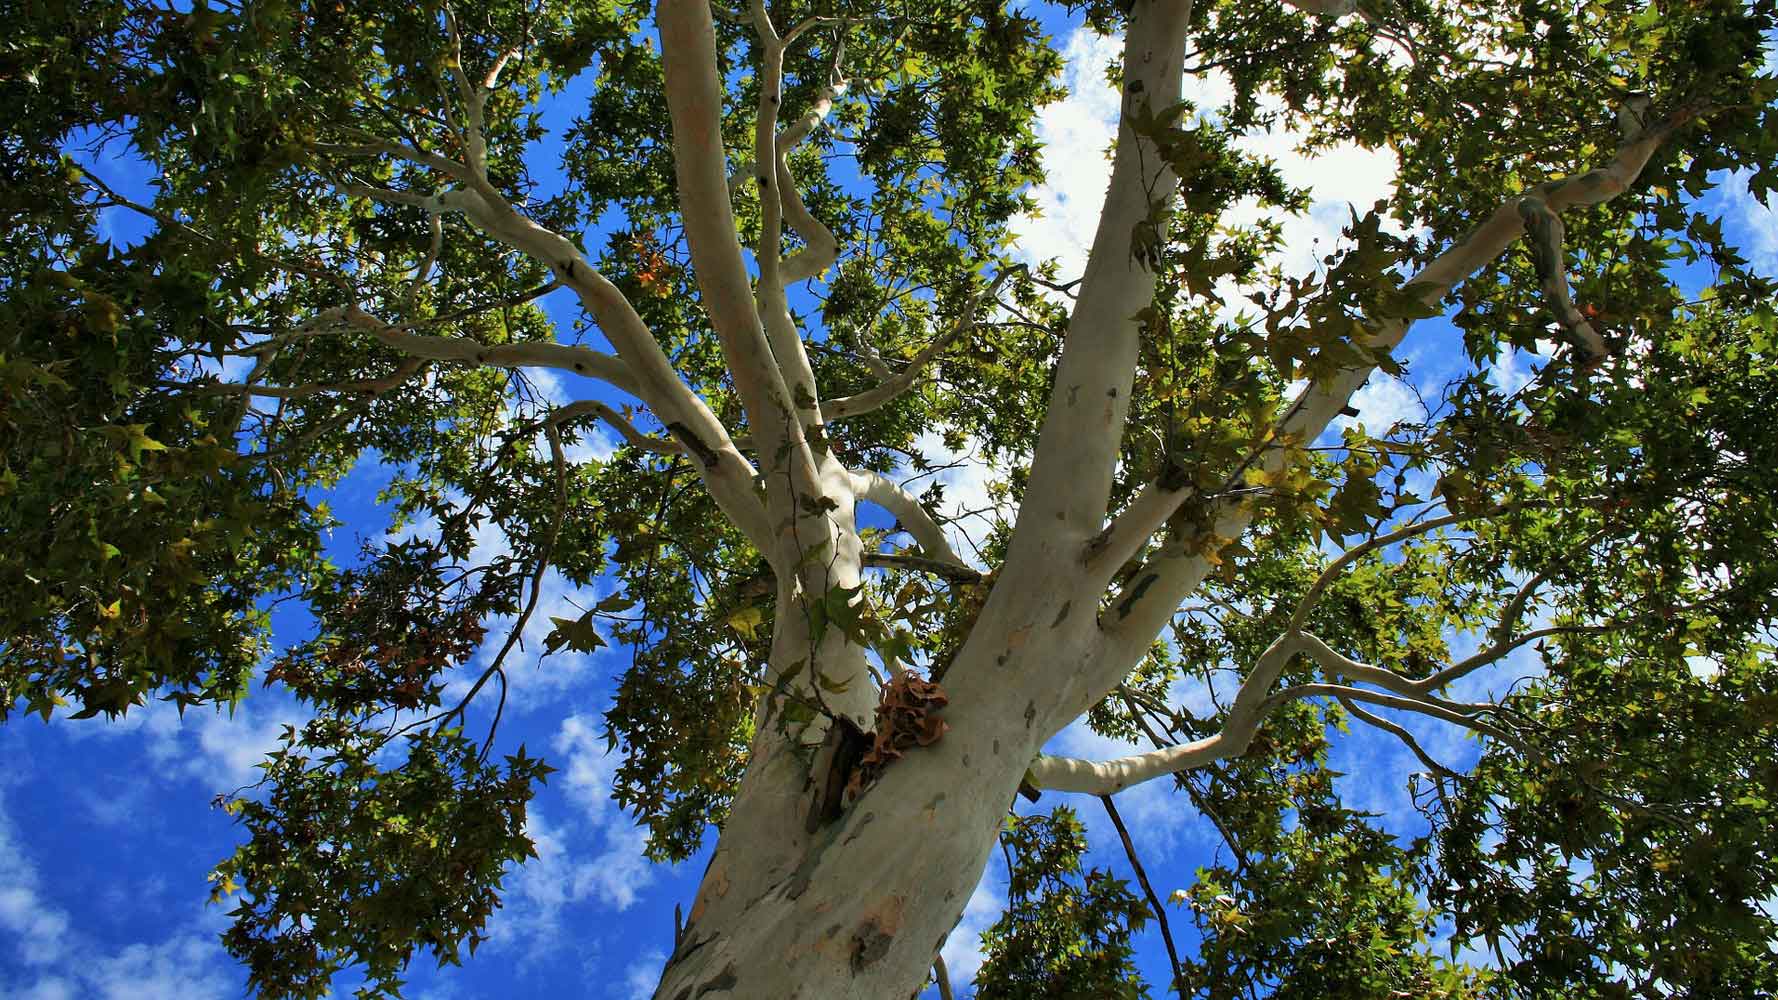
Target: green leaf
[{"x": 577, "y": 634}]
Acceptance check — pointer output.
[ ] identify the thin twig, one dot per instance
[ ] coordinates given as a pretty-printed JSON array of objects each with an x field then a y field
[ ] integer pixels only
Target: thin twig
[
  {"x": 1154, "y": 901},
  {"x": 937, "y": 567},
  {"x": 1402, "y": 734}
]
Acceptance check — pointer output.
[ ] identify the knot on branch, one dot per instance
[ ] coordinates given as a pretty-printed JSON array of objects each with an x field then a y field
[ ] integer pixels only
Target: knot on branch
[
  {"x": 694, "y": 444},
  {"x": 1544, "y": 226}
]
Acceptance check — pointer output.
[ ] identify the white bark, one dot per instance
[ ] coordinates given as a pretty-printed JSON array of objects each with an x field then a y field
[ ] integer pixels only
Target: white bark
[
  {"x": 1250, "y": 709},
  {"x": 860, "y": 908},
  {"x": 879, "y": 489}
]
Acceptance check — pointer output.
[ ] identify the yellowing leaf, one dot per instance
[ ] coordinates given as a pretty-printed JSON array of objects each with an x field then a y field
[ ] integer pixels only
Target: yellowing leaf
[{"x": 747, "y": 621}]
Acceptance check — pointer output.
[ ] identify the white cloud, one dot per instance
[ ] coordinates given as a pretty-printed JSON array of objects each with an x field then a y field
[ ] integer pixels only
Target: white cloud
[
  {"x": 1076, "y": 133},
  {"x": 50, "y": 988},
  {"x": 619, "y": 871},
  {"x": 641, "y": 975},
  {"x": 1078, "y": 130},
  {"x": 217, "y": 749},
  {"x": 1196, "y": 696},
  {"x": 1754, "y": 223},
  {"x": 594, "y": 444},
  {"x": 63, "y": 964},
  {"x": 589, "y": 771},
  {"x": 963, "y": 949},
  {"x": 230, "y": 748},
  {"x": 1516, "y": 368},
  {"x": 38, "y": 928},
  {"x": 613, "y": 874},
  {"x": 1381, "y": 403},
  {"x": 543, "y": 889},
  {"x": 966, "y": 479},
  {"x": 186, "y": 967},
  {"x": 1163, "y": 820},
  {"x": 532, "y": 681},
  {"x": 1339, "y": 180}
]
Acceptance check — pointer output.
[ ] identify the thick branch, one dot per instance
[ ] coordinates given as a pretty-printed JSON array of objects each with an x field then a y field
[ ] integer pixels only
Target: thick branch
[
  {"x": 1124, "y": 538},
  {"x": 1546, "y": 233},
  {"x": 694, "y": 99},
  {"x": 1337, "y": 664},
  {"x": 769, "y": 294},
  {"x": 1071, "y": 469},
  {"x": 646, "y": 442},
  {"x": 820, "y": 248},
  {"x": 524, "y": 354},
  {"x": 942, "y": 976},
  {"x": 1329, "y": 8},
  {"x": 1175, "y": 572},
  {"x": 730, "y": 480},
  {"x": 475, "y": 102},
  {"x": 793, "y": 134},
  {"x": 882, "y": 491},
  {"x": 652, "y": 377},
  {"x": 368, "y": 387},
  {"x": 1438, "y": 711},
  {"x": 401, "y": 151},
  {"x": 1469, "y": 665},
  {"x": 1069, "y": 774},
  {"x": 898, "y": 560}
]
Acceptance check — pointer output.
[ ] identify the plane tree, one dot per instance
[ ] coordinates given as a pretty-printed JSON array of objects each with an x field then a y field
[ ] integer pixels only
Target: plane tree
[{"x": 784, "y": 238}]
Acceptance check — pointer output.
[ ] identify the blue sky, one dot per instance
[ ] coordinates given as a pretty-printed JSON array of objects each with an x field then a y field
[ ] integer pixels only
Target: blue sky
[{"x": 107, "y": 830}]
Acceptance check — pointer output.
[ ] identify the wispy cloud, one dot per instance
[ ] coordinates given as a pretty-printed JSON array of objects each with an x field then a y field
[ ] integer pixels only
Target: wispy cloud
[
  {"x": 963, "y": 949},
  {"x": 1078, "y": 131},
  {"x": 55, "y": 961},
  {"x": 1381, "y": 403},
  {"x": 218, "y": 750},
  {"x": 1754, "y": 223},
  {"x": 592, "y": 859},
  {"x": 38, "y": 929},
  {"x": 969, "y": 509},
  {"x": 640, "y": 976}
]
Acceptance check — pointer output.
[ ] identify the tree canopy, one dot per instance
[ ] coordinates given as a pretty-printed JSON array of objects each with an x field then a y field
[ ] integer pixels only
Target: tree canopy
[{"x": 790, "y": 235}]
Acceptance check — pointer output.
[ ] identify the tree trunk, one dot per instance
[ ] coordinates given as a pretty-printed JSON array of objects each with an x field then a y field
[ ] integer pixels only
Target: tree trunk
[
  {"x": 859, "y": 907},
  {"x": 873, "y": 896}
]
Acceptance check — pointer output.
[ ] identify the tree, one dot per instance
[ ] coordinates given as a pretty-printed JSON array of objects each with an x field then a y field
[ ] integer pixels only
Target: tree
[{"x": 788, "y": 230}]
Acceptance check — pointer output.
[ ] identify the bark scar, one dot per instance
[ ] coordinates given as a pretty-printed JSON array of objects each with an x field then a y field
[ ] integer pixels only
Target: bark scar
[{"x": 876, "y": 933}]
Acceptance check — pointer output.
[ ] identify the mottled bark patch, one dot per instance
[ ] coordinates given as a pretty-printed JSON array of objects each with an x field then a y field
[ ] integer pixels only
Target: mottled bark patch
[
  {"x": 715, "y": 887},
  {"x": 1062, "y": 615},
  {"x": 876, "y": 933},
  {"x": 724, "y": 980}
]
